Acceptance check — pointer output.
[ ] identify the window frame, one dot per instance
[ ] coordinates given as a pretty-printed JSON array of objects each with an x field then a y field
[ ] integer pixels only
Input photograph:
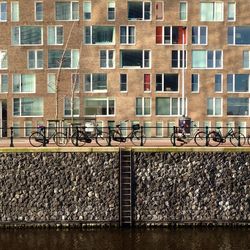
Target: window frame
[
  {"x": 234, "y": 10},
  {"x": 123, "y": 84},
  {"x": 13, "y": 19},
  {"x": 199, "y": 35},
  {"x": 107, "y": 59},
  {"x": 108, "y": 11},
  {"x": 179, "y": 106},
  {"x": 214, "y": 106},
  {"x": 76, "y": 111},
  {"x": 36, "y": 59},
  {"x": 127, "y": 34},
  {"x": 51, "y": 86},
  {"x": 35, "y": 12},
  {"x": 215, "y": 3},
  {"x": 87, "y": 19},
  {"x": 71, "y": 11},
  {"x": 143, "y": 11},
  {"x": 1, "y": 83},
  {"x": 163, "y": 83},
  {"x": 143, "y": 106},
  {"x": 55, "y": 31},
  {"x": 186, "y": 11},
  {"x": 198, "y": 83},
  {"x": 234, "y": 84},
  {"x": 5, "y": 13},
  {"x": 91, "y": 83},
  {"x": 5, "y": 52},
  {"x": 179, "y": 59},
  {"x": 20, "y": 84},
  {"x": 233, "y": 115}
]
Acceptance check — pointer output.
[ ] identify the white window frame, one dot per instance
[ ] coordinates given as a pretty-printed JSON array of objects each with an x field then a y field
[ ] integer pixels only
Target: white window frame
[
  {"x": 247, "y": 52},
  {"x": 162, "y": 84},
  {"x": 3, "y": 54},
  {"x": 150, "y": 84},
  {"x": 159, "y": 127},
  {"x": 234, "y": 85},
  {"x": 143, "y": 11},
  {"x": 123, "y": 91},
  {"x": 35, "y": 51},
  {"x": 26, "y": 126},
  {"x": 214, "y": 102},
  {"x": 4, "y": 20},
  {"x": 234, "y": 8},
  {"x": 214, "y": 8},
  {"x": 88, "y": 19},
  {"x": 76, "y": 89},
  {"x": 199, "y": 35},
  {"x": 109, "y": 2},
  {"x": 55, "y": 27},
  {"x": 35, "y": 12},
  {"x": 71, "y": 12},
  {"x": 5, "y": 74},
  {"x": 20, "y": 84},
  {"x": 198, "y": 83},
  {"x": 186, "y": 12},
  {"x": 127, "y": 34},
  {"x": 51, "y": 86},
  {"x": 13, "y": 3},
  {"x": 179, "y": 60},
  {"x": 91, "y": 84},
  {"x": 75, "y": 99},
  {"x": 221, "y": 83},
  {"x": 143, "y": 106},
  {"x": 107, "y": 58}
]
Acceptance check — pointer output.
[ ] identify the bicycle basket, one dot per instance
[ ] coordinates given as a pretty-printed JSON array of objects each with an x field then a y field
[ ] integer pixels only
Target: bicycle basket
[{"x": 136, "y": 126}]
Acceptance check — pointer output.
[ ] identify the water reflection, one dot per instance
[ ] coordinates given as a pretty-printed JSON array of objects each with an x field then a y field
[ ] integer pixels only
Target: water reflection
[{"x": 113, "y": 239}]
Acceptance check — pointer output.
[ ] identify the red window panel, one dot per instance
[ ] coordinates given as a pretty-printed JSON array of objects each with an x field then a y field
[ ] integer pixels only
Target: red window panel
[
  {"x": 159, "y": 34},
  {"x": 146, "y": 82},
  {"x": 181, "y": 31}
]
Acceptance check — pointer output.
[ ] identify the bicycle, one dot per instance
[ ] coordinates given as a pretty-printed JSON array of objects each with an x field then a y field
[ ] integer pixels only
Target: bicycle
[
  {"x": 180, "y": 137},
  {"x": 135, "y": 136},
  {"x": 215, "y": 138},
  {"x": 84, "y": 135},
  {"x": 38, "y": 138}
]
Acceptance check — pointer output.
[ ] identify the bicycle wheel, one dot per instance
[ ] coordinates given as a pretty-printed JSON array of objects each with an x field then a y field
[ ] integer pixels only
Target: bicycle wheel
[
  {"x": 248, "y": 140},
  {"x": 214, "y": 139},
  {"x": 102, "y": 139},
  {"x": 78, "y": 140},
  {"x": 116, "y": 139},
  {"x": 237, "y": 139},
  {"x": 177, "y": 140},
  {"x": 137, "y": 138},
  {"x": 36, "y": 139},
  {"x": 200, "y": 139},
  {"x": 60, "y": 139}
]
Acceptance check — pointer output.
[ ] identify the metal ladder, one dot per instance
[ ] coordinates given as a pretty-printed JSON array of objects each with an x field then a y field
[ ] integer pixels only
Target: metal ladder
[{"x": 126, "y": 206}]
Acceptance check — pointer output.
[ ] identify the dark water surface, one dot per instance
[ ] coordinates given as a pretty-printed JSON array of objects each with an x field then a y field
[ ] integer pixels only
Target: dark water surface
[{"x": 158, "y": 238}]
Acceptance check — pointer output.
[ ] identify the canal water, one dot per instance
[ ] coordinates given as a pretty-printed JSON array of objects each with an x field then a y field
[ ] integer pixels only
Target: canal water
[{"x": 117, "y": 239}]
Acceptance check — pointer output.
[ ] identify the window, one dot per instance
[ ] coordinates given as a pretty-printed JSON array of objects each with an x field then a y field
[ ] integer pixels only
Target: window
[
  {"x": 199, "y": 35},
  {"x": 168, "y": 106},
  {"x": 177, "y": 59},
  {"x": 95, "y": 82},
  {"x": 71, "y": 104},
  {"x": 147, "y": 128},
  {"x": 207, "y": 59},
  {"x": 238, "y": 106},
  {"x": 55, "y": 35},
  {"x": 127, "y": 34},
  {"x": 67, "y": 11},
  {"x": 143, "y": 106},
  {"x": 69, "y": 59},
  {"x": 28, "y": 106},
  {"x": 3, "y": 83},
  {"x": 99, "y": 106},
  {"x": 14, "y": 11},
  {"x": 147, "y": 82},
  {"x": 111, "y": 10},
  {"x": 16, "y": 129},
  {"x": 212, "y": 11},
  {"x": 183, "y": 11},
  {"x": 51, "y": 83},
  {"x": 28, "y": 128},
  {"x": 75, "y": 82},
  {"x": 195, "y": 83},
  {"x": 167, "y": 82},
  {"x": 86, "y": 10},
  {"x": 3, "y": 12},
  {"x": 3, "y": 59},
  {"x": 123, "y": 83},
  {"x": 238, "y": 83},
  {"x": 239, "y": 35},
  {"x": 218, "y": 83},
  {"x": 246, "y": 59},
  {"x": 99, "y": 35},
  {"x": 39, "y": 11},
  {"x": 171, "y": 35},
  {"x": 107, "y": 59},
  {"x": 35, "y": 59},
  {"x": 159, "y": 129},
  {"x": 214, "y": 106},
  {"x": 24, "y": 83},
  {"x": 159, "y": 11},
  {"x": 135, "y": 58},
  {"x": 27, "y": 35},
  {"x": 139, "y": 10},
  {"x": 231, "y": 15}
]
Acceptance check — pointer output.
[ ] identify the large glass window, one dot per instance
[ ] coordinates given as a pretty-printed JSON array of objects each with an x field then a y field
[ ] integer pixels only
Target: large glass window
[
  {"x": 4, "y": 83},
  {"x": 177, "y": 59},
  {"x": 24, "y": 83},
  {"x": 67, "y": 11},
  {"x": 206, "y": 59},
  {"x": 237, "y": 106},
  {"x": 3, "y": 59},
  {"x": 211, "y": 11},
  {"x": 69, "y": 59},
  {"x": 214, "y": 106},
  {"x": 27, "y": 35},
  {"x": 135, "y": 58},
  {"x": 127, "y": 34},
  {"x": 71, "y": 104},
  {"x": 99, "y": 106},
  {"x": 239, "y": 35},
  {"x": 14, "y": 11},
  {"x": 35, "y": 59},
  {"x": 3, "y": 12},
  {"x": 55, "y": 35},
  {"x": 139, "y": 10},
  {"x": 28, "y": 106},
  {"x": 107, "y": 59},
  {"x": 95, "y": 82},
  {"x": 199, "y": 35},
  {"x": 171, "y": 35},
  {"x": 39, "y": 11},
  {"x": 99, "y": 35},
  {"x": 167, "y": 82},
  {"x": 238, "y": 83},
  {"x": 168, "y": 106},
  {"x": 143, "y": 105}
]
